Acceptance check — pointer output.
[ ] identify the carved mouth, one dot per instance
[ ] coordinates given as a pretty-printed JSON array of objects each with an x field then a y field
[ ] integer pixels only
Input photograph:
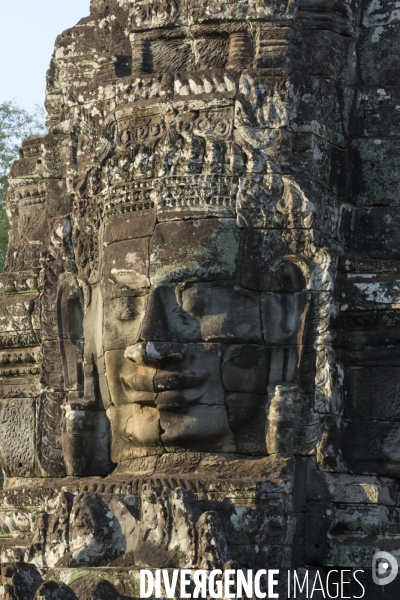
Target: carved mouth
[
  {"x": 171, "y": 401},
  {"x": 164, "y": 381},
  {"x": 167, "y": 390},
  {"x": 185, "y": 380}
]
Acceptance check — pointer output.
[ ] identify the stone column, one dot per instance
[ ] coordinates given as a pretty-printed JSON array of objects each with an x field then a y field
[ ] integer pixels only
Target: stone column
[
  {"x": 283, "y": 419},
  {"x": 141, "y": 54},
  {"x": 240, "y": 50}
]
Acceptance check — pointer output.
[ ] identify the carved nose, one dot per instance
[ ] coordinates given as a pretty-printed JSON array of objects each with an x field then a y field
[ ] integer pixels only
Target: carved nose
[
  {"x": 156, "y": 324},
  {"x": 154, "y": 353}
]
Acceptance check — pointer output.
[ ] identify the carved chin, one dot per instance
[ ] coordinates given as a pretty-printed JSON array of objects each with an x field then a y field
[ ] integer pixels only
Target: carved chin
[
  {"x": 200, "y": 427},
  {"x": 143, "y": 426}
]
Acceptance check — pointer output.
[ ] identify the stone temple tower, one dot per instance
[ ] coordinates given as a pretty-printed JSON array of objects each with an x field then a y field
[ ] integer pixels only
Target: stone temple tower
[{"x": 200, "y": 311}]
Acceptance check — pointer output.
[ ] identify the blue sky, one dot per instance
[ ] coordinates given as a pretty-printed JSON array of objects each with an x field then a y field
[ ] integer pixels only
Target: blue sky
[{"x": 28, "y": 29}]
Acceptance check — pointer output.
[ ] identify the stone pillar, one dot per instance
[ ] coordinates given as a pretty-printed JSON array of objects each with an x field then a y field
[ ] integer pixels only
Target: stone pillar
[
  {"x": 75, "y": 434},
  {"x": 283, "y": 419},
  {"x": 141, "y": 54},
  {"x": 240, "y": 50}
]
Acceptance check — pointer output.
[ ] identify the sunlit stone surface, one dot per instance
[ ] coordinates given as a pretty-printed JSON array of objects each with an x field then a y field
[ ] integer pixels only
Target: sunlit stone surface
[{"x": 199, "y": 318}]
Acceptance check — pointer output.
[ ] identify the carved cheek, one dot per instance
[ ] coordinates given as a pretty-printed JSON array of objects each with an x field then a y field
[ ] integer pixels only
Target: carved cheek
[
  {"x": 224, "y": 314},
  {"x": 245, "y": 368},
  {"x": 136, "y": 424},
  {"x": 205, "y": 426},
  {"x": 142, "y": 428},
  {"x": 127, "y": 264},
  {"x": 122, "y": 320},
  {"x": 282, "y": 316}
]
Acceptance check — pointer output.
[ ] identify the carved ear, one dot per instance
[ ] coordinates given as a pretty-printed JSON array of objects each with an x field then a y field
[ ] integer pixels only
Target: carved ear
[
  {"x": 287, "y": 277},
  {"x": 70, "y": 327},
  {"x": 291, "y": 278}
]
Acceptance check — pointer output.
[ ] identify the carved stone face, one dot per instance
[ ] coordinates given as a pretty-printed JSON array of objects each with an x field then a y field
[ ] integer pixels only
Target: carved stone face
[
  {"x": 192, "y": 332},
  {"x": 187, "y": 343},
  {"x": 185, "y": 227}
]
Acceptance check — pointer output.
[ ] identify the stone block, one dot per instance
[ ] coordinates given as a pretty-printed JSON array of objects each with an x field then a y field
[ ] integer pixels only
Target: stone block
[
  {"x": 52, "y": 162},
  {"x": 256, "y": 201},
  {"x": 127, "y": 266},
  {"x": 284, "y": 365},
  {"x": 250, "y": 436},
  {"x": 247, "y": 418},
  {"x": 19, "y": 580},
  {"x": 372, "y": 393},
  {"x": 159, "y": 544},
  {"x": 377, "y": 115},
  {"x": 194, "y": 312},
  {"x": 357, "y": 393},
  {"x": 385, "y": 355},
  {"x": 103, "y": 387},
  {"x": 17, "y": 437},
  {"x": 321, "y": 162},
  {"x": 128, "y": 226},
  {"x": 319, "y": 521},
  {"x": 372, "y": 222},
  {"x": 58, "y": 201},
  {"x": 318, "y": 108},
  {"x": 99, "y": 453},
  {"x": 223, "y": 312},
  {"x": 122, "y": 321},
  {"x": 308, "y": 370},
  {"x": 375, "y": 182},
  {"x": 343, "y": 535},
  {"x": 298, "y": 558},
  {"x": 326, "y": 53},
  {"x": 205, "y": 247},
  {"x": 366, "y": 293},
  {"x": 282, "y": 316},
  {"x": 385, "y": 394},
  {"x": 135, "y": 431},
  {"x": 329, "y": 122},
  {"x": 369, "y": 447},
  {"x": 259, "y": 248},
  {"x": 71, "y": 354},
  {"x": 52, "y": 589},
  {"x": 201, "y": 196},
  {"x": 378, "y": 61},
  {"x": 25, "y": 166},
  {"x": 18, "y": 316},
  {"x": 93, "y": 318},
  {"x": 203, "y": 428},
  {"x": 86, "y": 589},
  {"x": 309, "y": 431},
  {"x": 245, "y": 368},
  {"x": 322, "y": 486}
]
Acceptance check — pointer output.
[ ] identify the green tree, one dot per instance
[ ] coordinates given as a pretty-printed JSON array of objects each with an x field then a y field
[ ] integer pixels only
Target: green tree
[{"x": 16, "y": 125}]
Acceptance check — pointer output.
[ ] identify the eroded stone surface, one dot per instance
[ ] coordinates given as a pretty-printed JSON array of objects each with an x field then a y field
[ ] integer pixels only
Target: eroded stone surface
[{"x": 199, "y": 313}]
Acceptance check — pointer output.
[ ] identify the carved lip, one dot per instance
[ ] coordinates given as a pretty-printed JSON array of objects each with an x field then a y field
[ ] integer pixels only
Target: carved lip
[
  {"x": 164, "y": 381},
  {"x": 170, "y": 381},
  {"x": 185, "y": 385},
  {"x": 171, "y": 401}
]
